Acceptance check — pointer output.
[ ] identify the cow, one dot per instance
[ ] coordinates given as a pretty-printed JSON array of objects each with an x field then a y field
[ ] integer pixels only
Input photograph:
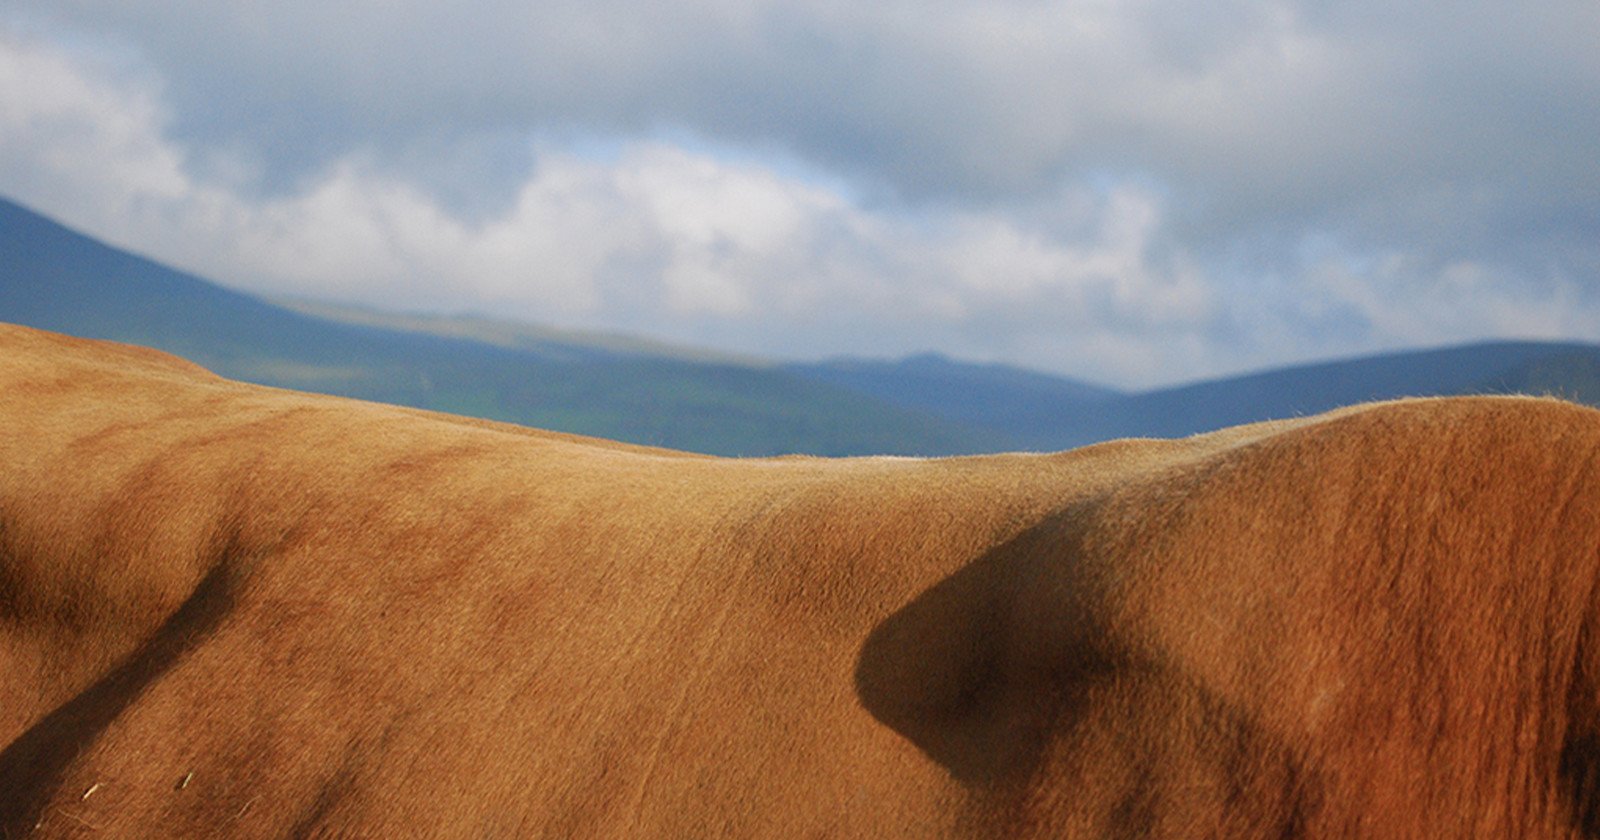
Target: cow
[{"x": 231, "y": 610}]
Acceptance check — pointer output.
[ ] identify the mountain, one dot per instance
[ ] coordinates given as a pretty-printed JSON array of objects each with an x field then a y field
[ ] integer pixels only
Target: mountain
[
  {"x": 56, "y": 279},
  {"x": 647, "y": 392},
  {"x": 1034, "y": 409},
  {"x": 1484, "y": 368},
  {"x": 1044, "y": 413},
  {"x": 513, "y": 334}
]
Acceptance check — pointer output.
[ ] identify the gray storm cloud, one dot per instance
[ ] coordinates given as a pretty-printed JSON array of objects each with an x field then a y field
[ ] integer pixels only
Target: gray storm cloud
[{"x": 1138, "y": 191}]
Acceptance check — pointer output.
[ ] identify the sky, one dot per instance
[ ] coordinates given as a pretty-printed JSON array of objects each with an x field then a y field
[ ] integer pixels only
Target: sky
[{"x": 1128, "y": 192}]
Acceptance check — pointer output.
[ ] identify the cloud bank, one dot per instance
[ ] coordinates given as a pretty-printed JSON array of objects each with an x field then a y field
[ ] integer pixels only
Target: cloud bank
[{"x": 1132, "y": 193}]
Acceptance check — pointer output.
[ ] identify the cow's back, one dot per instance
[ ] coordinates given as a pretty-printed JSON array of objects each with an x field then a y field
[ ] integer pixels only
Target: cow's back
[{"x": 230, "y": 609}]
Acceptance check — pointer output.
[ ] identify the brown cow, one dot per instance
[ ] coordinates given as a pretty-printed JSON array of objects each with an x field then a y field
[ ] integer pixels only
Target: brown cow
[{"x": 228, "y": 610}]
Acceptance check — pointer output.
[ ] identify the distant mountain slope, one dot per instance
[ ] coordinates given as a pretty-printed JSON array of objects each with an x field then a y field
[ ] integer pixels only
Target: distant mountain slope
[
  {"x": 1490, "y": 367},
  {"x": 1573, "y": 374},
  {"x": 513, "y": 334},
  {"x": 1031, "y": 408},
  {"x": 1045, "y": 412},
  {"x": 53, "y": 278},
  {"x": 645, "y": 392}
]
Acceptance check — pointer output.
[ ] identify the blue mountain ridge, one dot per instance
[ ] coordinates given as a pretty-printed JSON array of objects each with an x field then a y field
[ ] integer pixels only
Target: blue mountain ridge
[{"x": 54, "y": 278}]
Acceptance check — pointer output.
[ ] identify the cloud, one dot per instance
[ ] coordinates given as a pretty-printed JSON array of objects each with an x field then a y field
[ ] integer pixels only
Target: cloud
[
  {"x": 61, "y": 116},
  {"x": 1136, "y": 193},
  {"x": 656, "y": 237},
  {"x": 928, "y": 98}
]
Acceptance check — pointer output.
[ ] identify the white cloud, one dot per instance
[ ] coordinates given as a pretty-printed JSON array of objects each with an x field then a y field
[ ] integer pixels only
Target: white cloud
[
  {"x": 81, "y": 128},
  {"x": 1111, "y": 189},
  {"x": 1262, "y": 105},
  {"x": 658, "y": 238},
  {"x": 1406, "y": 301}
]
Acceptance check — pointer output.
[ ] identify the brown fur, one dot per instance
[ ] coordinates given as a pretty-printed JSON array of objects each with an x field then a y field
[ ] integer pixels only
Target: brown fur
[{"x": 228, "y": 610}]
